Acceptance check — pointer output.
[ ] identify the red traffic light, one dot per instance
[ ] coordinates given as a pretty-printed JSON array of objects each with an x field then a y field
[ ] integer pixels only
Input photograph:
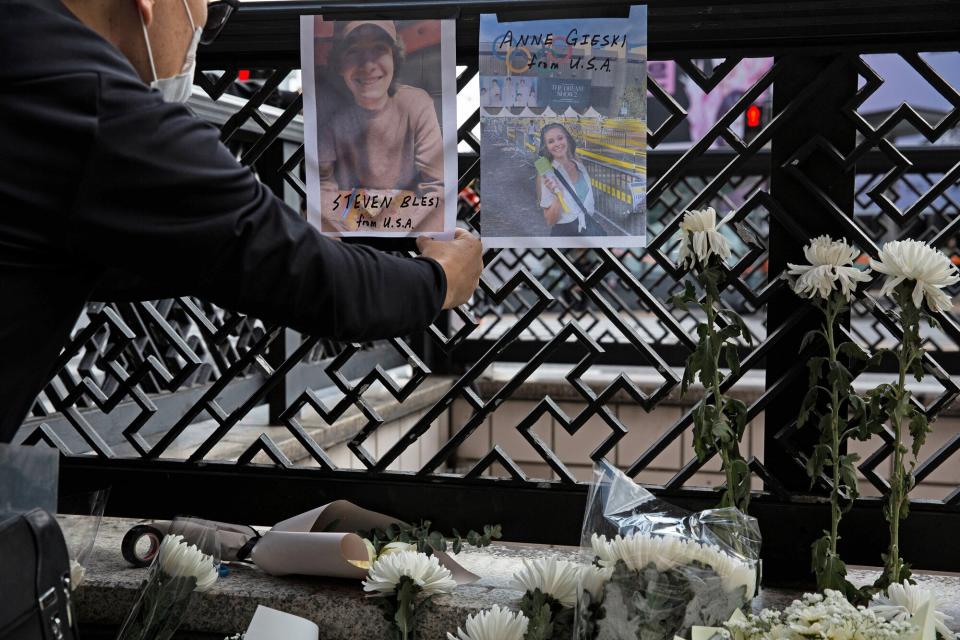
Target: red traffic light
[{"x": 753, "y": 116}]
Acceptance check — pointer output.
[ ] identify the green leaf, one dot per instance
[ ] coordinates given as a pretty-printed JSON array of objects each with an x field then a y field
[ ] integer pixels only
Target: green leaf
[
  {"x": 932, "y": 322},
  {"x": 720, "y": 429},
  {"x": 703, "y": 443},
  {"x": 694, "y": 364},
  {"x": 683, "y": 299},
  {"x": 839, "y": 376},
  {"x": 816, "y": 461},
  {"x": 808, "y": 338},
  {"x": 728, "y": 333},
  {"x": 829, "y": 569},
  {"x": 436, "y": 540},
  {"x": 738, "y": 413},
  {"x": 848, "y": 475},
  {"x": 536, "y": 607},
  {"x": 815, "y": 365},
  {"x": 738, "y": 477},
  {"x": 492, "y": 531},
  {"x": 916, "y": 367},
  {"x": 733, "y": 317},
  {"x": 809, "y": 402},
  {"x": 708, "y": 367},
  {"x": 831, "y": 572},
  {"x": 919, "y": 428},
  {"x": 732, "y": 358},
  {"x": 711, "y": 278}
]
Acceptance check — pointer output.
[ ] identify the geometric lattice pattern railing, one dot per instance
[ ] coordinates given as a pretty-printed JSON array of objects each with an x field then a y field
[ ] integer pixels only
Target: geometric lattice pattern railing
[{"x": 136, "y": 376}]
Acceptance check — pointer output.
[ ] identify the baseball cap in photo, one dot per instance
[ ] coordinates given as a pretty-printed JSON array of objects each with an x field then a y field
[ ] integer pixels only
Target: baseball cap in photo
[{"x": 387, "y": 26}]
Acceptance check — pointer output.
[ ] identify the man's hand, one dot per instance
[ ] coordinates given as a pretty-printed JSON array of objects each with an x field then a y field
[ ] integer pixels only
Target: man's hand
[{"x": 462, "y": 262}]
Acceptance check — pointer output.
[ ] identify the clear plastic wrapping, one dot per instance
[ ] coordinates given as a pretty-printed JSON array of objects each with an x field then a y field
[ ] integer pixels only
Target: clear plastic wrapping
[
  {"x": 81, "y": 534},
  {"x": 660, "y": 571},
  {"x": 187, "y": 560}
]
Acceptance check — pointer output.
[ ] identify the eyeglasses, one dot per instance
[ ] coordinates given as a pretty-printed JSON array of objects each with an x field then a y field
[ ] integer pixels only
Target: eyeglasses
[{"x": 218, "y": 14}]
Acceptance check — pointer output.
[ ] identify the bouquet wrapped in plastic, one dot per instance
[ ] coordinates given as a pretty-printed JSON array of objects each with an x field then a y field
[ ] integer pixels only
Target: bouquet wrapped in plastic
[
  {"x": 659, "y": 571},
  {"x": 187, "y": 560}
]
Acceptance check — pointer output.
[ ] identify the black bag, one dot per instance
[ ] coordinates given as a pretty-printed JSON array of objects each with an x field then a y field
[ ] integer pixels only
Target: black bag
[{"x": 34, "y": 579}]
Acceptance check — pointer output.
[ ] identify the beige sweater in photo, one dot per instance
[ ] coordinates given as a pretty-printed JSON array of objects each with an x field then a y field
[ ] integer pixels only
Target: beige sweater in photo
[{"x": 397, "y": 147}]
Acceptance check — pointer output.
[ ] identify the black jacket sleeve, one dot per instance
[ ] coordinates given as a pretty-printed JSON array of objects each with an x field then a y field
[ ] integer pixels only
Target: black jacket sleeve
[{"x": 163, "y": 200}]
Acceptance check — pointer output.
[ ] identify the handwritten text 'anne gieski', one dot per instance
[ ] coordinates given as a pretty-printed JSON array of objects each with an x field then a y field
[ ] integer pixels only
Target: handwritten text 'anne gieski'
[{"x": 573, "y": 39}]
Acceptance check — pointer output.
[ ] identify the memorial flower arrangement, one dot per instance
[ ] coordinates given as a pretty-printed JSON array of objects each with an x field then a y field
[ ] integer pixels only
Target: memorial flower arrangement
[
  {"x": 902, "y": 612},
  {"x": 916, "y": 276},
  {"x": 829, "y": 281},
  {"x": 401, "y": 581},
  {"x": 827, "y": 616},
  {"x": 660, "y": 587},
  {"x": 718, "y": 421},
  {"x": 179, "y": 569}
]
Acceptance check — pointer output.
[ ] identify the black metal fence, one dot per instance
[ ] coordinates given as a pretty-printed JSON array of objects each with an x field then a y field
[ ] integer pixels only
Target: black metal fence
[{"x": 135, "y": 376}]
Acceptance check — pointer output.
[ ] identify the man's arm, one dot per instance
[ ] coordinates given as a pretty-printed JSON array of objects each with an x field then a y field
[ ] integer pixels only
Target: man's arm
[{"x": 162, "y": 199}]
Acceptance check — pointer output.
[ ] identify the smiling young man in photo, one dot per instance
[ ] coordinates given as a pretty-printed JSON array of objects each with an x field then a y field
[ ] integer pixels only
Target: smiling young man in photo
[{"x": 385, "y": 139}]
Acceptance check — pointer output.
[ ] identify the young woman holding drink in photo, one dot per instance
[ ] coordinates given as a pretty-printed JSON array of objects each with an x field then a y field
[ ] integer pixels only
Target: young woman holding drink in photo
[{"x": 563, "y": 186}]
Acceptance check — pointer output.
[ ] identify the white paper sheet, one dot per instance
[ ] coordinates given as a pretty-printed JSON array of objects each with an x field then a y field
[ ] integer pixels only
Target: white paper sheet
[{"x": 270, "y": 624}]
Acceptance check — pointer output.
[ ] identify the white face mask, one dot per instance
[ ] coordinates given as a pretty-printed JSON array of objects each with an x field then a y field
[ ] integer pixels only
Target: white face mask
[{"x": 176, "y": 88}]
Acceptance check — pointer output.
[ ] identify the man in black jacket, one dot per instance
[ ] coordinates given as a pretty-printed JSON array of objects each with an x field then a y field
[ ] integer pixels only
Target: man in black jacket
[{"x": 101, "y": 174}]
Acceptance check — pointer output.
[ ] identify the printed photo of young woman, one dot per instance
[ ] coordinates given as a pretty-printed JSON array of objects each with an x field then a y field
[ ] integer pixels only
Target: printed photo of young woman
[{"x": 563, "y": 153}]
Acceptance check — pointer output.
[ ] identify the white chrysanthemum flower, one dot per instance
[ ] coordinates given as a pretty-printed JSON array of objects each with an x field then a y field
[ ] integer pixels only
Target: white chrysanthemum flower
[
  {"x": 178, "y": 558},
  {"x": 593, "y": 578},
  {"x": 903, "y": 601},
  {"x": 425, "y": 571},
  {"x": 666, "y": 552},
  {"x": 700, "y": 239},
  {"x": 495, "y": 623},
  {"x": 830, "y": 267},
  {"x": 555, "y": 578},
  {"x": 918, "y": 263}
]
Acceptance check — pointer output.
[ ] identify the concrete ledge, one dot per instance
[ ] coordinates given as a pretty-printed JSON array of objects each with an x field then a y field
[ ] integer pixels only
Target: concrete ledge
[{"x": 339, "y": 606}]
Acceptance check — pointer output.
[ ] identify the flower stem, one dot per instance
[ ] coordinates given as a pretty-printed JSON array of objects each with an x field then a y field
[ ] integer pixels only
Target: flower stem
[
  {"x": 718, "y": 400},
  {"x": 898, "y": 499},
  {"x": 896, "y": 486},
  {"x": 831, "y": 313}
]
